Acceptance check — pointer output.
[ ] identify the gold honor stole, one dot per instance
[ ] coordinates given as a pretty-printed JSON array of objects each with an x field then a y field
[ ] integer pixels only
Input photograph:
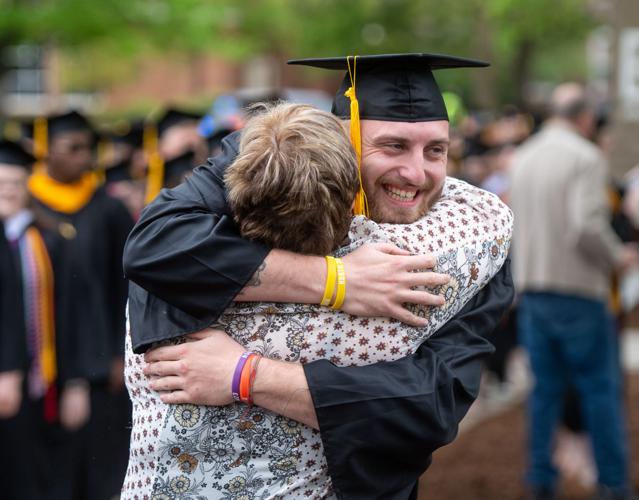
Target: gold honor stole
[
  {"x": 39, "y": 319},
  {"x": 62, "y": 197}
]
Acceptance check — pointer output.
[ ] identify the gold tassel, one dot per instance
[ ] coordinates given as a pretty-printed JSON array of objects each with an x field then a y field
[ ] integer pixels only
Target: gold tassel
[
  {"x": 155, "y": 174},
  {"x": 40, "y": 142},
  {"x": 361, "y": 203},
  {"x": 103, "y": 150}
]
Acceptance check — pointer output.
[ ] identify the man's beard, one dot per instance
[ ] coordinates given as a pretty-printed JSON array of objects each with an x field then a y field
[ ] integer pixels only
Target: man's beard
[{"x": 381, "y": 212}]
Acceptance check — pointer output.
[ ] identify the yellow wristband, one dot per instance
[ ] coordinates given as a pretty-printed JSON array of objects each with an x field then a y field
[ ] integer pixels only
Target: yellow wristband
[
  {"x": 341, "y": 285},
  {"x": 331, "y": 277}
]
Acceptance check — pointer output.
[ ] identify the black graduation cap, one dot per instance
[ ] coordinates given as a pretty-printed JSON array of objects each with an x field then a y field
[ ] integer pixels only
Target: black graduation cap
[
  {"x": 133, "y": 135},
  {"x": 392, "y": 87},
  {"x": 67, "y": 122},
  {"x": 175, "y": 169},
  {"x": 118, "y": 172},
  {"x": 12, "y": 153},
  {"x": 474, "y": 146},
  {"x": 173, "y": 117}
]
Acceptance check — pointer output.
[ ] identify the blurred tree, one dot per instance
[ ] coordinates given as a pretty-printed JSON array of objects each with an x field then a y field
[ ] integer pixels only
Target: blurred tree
[{"x": 509, "y": 33}]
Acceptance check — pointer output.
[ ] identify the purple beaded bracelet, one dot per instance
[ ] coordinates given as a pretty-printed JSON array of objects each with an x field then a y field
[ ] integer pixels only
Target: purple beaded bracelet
[{"x": 235, "y": 384}]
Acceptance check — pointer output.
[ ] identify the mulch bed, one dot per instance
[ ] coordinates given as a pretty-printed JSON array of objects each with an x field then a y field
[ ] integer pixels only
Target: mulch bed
[{"x": 487, "y": 462}]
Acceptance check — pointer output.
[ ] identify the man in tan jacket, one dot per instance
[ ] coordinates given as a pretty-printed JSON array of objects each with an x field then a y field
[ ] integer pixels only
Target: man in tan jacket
[{"x": 564, "y": 253}]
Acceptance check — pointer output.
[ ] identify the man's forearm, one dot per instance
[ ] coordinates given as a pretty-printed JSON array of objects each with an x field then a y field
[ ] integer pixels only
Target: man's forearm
[
  {"x": 282, "y": 388},
  {"x": 286, "y": 277}
]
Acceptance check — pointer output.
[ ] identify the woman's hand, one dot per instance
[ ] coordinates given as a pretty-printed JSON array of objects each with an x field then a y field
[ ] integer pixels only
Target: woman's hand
[
  {"x": 10, "y": 393},
  {"x": 381, "y": 278},
  {"x": 75, "y": 405}
]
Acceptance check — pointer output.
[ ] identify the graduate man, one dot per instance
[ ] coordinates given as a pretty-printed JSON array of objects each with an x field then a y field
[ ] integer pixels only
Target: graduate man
[
  {"x": 379, "y": 423},
  {"x": 95, "y": 226}
]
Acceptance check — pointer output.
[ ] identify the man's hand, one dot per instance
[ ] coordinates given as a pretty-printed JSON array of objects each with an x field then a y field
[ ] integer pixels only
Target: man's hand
[
  {"x": 75, "y": 405},
  {"x": 198, "y": 372},
  {"x": 379, "y": 281},
  {"x": 10, "y": 393}
]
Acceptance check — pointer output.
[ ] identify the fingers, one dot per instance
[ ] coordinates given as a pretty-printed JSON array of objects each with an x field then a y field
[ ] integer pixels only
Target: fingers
[
  {"x": 175, "y": 397},
  {"x": 405, "y": 316},
  {"x": 421, "y": 297},
  {"x": 165, "y": 353},
  {"x": 419, "y": 262},
  {"x": 390, "y": 249},
  {"x": 165, "y": 369},
  {"x": 171, "y": 383},
  {"x": 203, "y": 334},
  {"x": 427, "y": 279}
]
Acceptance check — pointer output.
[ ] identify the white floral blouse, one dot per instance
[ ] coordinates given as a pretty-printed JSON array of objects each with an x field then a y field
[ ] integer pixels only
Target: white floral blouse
[{"x": 237, "y": 452}]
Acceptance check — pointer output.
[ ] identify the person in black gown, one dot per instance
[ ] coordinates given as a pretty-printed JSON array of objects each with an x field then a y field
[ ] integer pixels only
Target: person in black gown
[
  {"x": 39, "y": 353},
  {"x": 379, "y": 423},
  {"x": 95, "y": 226}
]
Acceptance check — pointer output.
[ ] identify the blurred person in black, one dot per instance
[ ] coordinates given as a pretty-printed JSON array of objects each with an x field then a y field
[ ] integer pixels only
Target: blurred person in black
[
  {"x": 178, "y": 133},
  {"x": 379, "y": 423},
  {"x": 125, "y": 176},
  {"x": 178, "y": 169},
  {"x": 95, "y": 226},
  {"x": 40, "y": 371}
]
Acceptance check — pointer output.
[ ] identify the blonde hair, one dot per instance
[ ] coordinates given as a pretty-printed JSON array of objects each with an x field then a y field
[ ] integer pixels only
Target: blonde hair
[{"x": 293, "y": 183}]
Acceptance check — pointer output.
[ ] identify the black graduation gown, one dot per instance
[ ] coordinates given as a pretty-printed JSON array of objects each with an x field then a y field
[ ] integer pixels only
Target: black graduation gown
[
  {"x": 95, "y": 314},
  {"x": 41, "y": 448},
  {"x": 14, "y": 432},
  {"x": 13, "y": 354},
  {"x": 96, "y": 310},
  {"x": 379, "y": 423}
]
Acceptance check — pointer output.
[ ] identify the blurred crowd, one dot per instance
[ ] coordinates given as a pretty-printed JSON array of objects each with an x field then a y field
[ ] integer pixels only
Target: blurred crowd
[{"x": 70, "y": 192}]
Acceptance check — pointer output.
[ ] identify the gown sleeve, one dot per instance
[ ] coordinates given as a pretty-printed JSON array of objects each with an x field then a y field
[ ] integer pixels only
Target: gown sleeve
[
  {"x": 380, "y": 423},
  {"x": 12, "y": 344},
  {"x": 186, "y": 249},
  {"x": 120, "y": 223}
]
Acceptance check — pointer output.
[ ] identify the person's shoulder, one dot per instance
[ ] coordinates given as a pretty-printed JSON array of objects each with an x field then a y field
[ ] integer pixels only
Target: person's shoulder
[
  {"x": 531, "y": 145},
  {"x": 107, "y": 207},
  {"x": 105, "y": 199},
  {"x": 230, "y": 149},
  {"x": 207, "y": 181}
]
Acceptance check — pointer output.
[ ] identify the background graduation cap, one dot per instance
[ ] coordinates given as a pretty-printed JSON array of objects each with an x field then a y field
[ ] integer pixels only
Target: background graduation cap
[
  {"x": 118, "y": 172},
  {"x": 177, "y": 168},
  {"x": 71, "y": 121},
  {"x": 133, "y": 135},
  {"x": 387, "y": 87},
  {"x": 12, "y": 153},
  {"x": 173, "y": 117},
  {"x": 42, "y": 129}
]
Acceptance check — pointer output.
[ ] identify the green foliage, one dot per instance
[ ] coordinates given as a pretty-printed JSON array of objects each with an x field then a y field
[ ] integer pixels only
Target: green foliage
[{"x": 511, "y": 33}]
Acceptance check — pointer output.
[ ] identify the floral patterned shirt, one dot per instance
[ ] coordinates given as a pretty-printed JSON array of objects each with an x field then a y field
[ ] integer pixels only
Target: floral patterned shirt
[{"x": 237, "y": 452}]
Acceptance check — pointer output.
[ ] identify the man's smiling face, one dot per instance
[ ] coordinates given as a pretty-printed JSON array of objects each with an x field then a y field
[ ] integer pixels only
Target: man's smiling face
[{"x": 403, "y": 167}]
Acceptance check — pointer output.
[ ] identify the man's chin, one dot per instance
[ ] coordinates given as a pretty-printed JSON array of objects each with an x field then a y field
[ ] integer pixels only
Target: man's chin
[{"x": 397, "y": 215}]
